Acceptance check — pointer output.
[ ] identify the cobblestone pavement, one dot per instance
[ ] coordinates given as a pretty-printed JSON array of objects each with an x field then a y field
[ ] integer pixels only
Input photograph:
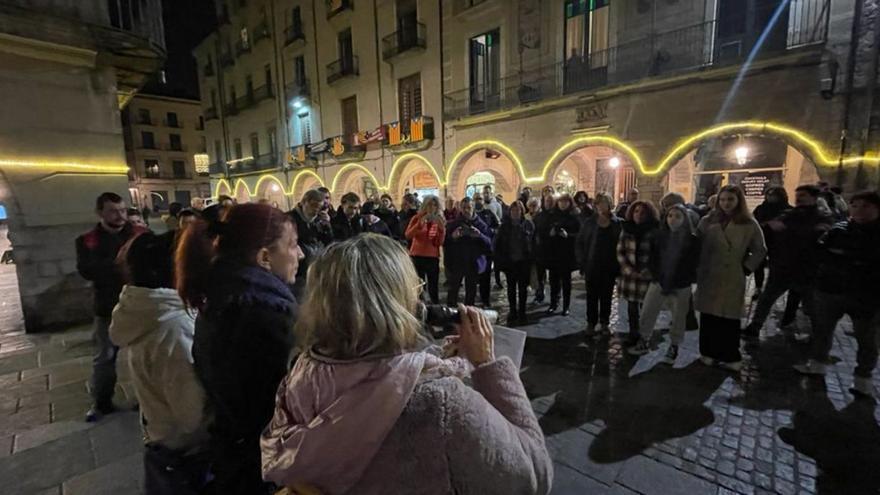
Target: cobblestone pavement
[{"x": 615, "y": 424}]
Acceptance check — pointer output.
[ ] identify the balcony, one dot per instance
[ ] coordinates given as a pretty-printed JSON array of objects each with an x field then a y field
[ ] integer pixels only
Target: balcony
[
  {"x": 266, "y": 162},
  {"x": 166, "y": 176},
  {"x": 148, "y": 146},
  {"x": 693, "y": 48},
  {"x": 217, "y": 168},
  {"x": 253, "y": 97},
  {"x": 226, "y": 60},
  {"x": 145, "y": 121},
  {"x": 297, "y": 89},
  {"x": 335, "y": 7},
  {"x": 171, "y": 147},
  {"x": 294, "y": 33},
  {"x": 342, "y": 68},
  {"x": 412, "y": 37},
  {"x": 410, "y": 131},
  {"x": 231, "y": 108},
  {"x": 242, "y": 47},
  {"x": 211, "y": 113},
  {"x": 174, "y": 125},
  {"x": 208, "y": 70}
]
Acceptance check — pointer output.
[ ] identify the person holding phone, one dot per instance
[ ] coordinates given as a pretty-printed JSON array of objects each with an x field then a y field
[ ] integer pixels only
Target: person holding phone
[
  {"x": 466, "y": 247},
  {"x": 426, "y": 233},
  {"x": 364, "y": 411}
]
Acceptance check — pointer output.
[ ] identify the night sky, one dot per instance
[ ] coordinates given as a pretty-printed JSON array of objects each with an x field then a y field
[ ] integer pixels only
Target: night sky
[{"x": 187, "y": 22}]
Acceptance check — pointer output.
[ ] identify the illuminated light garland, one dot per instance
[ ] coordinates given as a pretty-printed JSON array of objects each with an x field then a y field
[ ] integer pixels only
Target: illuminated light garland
[
  {"x": 270, "y": 177},
  {"x": 405, "y": 158},
  {"x": 486, "y": 143},
  {"x": 59, "y": 166},
  {"x": 358, "y": 167},
  {"x": 585, "y": 141},
  {"x": 222, "y": 182},
  {"x": 814, "y": 148},
  {"x": 241, "y": 182},
  {"x": 298, "y": 176}
]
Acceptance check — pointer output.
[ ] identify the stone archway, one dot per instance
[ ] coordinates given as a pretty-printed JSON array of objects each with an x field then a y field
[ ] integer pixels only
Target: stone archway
[
  {"x": 507, "y": 178},
  {"x": 356, "y": 179},
  {"x": 414, "y": 174},
  {"x": 270, "y": 189},
  {"x": 594, "y": 169}
]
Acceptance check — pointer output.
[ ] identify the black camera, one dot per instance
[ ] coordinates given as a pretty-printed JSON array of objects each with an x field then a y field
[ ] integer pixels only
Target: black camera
[{"x": 444, "y": 317}]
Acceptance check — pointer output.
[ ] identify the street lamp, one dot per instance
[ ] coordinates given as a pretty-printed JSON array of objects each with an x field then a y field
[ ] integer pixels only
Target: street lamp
[
  {"x": 297, "y": 103},
  {"x": 275, "y": 188},
  {"x": 614, "y": 162},
  {"x": 742, "y": 155}
]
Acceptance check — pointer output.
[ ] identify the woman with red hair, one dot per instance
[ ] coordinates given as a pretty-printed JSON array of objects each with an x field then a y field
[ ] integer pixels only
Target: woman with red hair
[{"x": 236, "y": 273}]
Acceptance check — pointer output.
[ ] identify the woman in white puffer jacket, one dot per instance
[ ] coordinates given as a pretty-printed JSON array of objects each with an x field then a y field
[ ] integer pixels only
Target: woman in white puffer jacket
[{"x": 155, "y": 329}]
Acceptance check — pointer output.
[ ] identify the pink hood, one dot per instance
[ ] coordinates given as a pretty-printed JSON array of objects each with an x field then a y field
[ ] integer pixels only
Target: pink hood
[{"x": 331, "y": 417}]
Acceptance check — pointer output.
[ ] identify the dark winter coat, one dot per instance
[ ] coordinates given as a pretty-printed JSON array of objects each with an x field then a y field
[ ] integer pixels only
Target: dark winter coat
[
  {"x": 312, "y": 238},
  {"x": 674, "y": 258},
  {"x": 543, "y": 253},
  {"x": 849, "y": 263},
  {"x": 558, "y": 251},
  {"x": 379, "y": 227},
  {"x": 524, "y": 234},
  {"x": 403, "y": 219},
  {"x": 467, "y": 254},
  {"x": 390, "y": 218},
  {"x": 765, "y": 212},
  {"x": 490, "y": 220},
  {"x": 242, "y": 350},
  {"x": 345, "y": 228},
  {"x": 795, "y": 247},
  {"x": 585, "y": 249},
  {"x": 96, "y": 252}
]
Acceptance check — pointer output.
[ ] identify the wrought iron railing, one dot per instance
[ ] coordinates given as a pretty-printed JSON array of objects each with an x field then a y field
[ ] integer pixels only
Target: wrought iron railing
[
  {"x": 242, "y": 47},
  {"x": 211, "y": 113},
  {"x": 297, "y": 89},
  {"x": 691, "y": 48},
  {"x": 217, "y": 168},
  {"x": 344, "y": 67},
  {"x": 410, "y": 36},
  {"x": 251, "y": 98}
]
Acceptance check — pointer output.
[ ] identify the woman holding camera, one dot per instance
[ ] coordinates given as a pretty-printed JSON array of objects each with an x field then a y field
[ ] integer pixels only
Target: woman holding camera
[
  {"x": 513, "y": 256},
  {"x": 426, "y": 232},
  {"x": 557, "y": 235},
  {"x": 236, "y": 273},
  {"x": 363, "y": 411}
]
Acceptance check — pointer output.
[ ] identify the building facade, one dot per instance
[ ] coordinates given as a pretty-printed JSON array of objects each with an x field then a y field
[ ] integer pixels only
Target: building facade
[
  {"x": 166, "y": 151},
  {"x": 345, "y": 94},
  {"x": 683, "y": 96},
  {"x": 66, "y": 69},
  {"x": 594, "y": 95}
]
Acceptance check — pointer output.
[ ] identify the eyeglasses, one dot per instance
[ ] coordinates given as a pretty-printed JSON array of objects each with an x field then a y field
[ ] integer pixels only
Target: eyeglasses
[{"x": 419, "y": 288}]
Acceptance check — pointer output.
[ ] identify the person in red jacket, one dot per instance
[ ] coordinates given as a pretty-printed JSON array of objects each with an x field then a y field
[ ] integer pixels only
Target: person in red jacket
[
  {"x": 96, "y": 252},
  {"x": 426, "y": 233}
]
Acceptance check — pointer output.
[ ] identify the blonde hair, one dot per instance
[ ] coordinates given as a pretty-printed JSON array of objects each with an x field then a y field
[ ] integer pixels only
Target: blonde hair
[
  {"x": 362, "y": 300},
  {"x": 425, "y": 204}
]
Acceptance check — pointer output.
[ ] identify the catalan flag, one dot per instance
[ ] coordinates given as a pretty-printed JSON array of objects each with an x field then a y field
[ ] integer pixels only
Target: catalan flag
[
  {"x": 417, "y": 129},
  {"x": 394, "y": 137}
]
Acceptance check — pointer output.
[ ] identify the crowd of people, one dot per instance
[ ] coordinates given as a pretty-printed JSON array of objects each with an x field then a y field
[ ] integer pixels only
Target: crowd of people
[{"x": 235, "y": 401}]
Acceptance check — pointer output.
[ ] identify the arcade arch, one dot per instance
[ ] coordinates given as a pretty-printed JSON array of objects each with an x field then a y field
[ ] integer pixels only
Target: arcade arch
[
  {"x": 485, "y": 166},
  {"x": 593, "y": 169}
]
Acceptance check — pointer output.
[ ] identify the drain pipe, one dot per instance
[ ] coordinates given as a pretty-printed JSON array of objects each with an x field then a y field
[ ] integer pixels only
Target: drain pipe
[{"x": 850, "y": 74}]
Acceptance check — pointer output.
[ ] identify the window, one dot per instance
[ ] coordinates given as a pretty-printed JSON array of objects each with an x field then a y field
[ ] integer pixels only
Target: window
[
  {"x": 349, "y": 118},
  {"x": 171, "y": 119},
  {"x": 218, "y": 151},
  {"x": 144, "y": 117},
  {"x": 305, "y": 127},
  {"x": 232, "y": 96},
  {"x": 249, "y": 87},
  {"x": 201, "y": 123},
  {"x": 409, "y": 98},
  {"x": 255, "y": 145},
  {"x": 485, "y": 66},
  {"x": 203, "y": 144},
  {"x": 586, "y": 31},
  {"x": 151, "y": 169},
  {"x": 179, "y": 169},
  {"x": 267, "y": 71},
  {"x": 209, "y": 66},
  {"x": 407, "y": 23},
  {"x": 148, "y": 140},
  {"x": 299, "y": 71},
  {"x": 213, "y": 98},
  {"x": 346, "y": 52},
  {"x": 273, "y": 144},
  {"x": 296, "y": 18},
  {"x": 175, "y": 142},
  {"x": 237, "y": 146}
]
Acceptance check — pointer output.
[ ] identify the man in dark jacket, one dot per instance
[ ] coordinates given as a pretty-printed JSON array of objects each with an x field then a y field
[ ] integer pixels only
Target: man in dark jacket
[
  {"x": 312, "y": 218},
  {"x": 467, "y": 242},
  {"x": 493, "y": 224},
  {"x": 96, "y": 252},
  {"x": 793, "y": 268},
  {"x": 348, "y": 223},
  {"x": 371, "y": 223},
  {"x": 775, "y": 204},
  {"x": 408, "y": 210},
  {"x": 846, "y": 283},
  {"x": 386, "y": 212}
]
